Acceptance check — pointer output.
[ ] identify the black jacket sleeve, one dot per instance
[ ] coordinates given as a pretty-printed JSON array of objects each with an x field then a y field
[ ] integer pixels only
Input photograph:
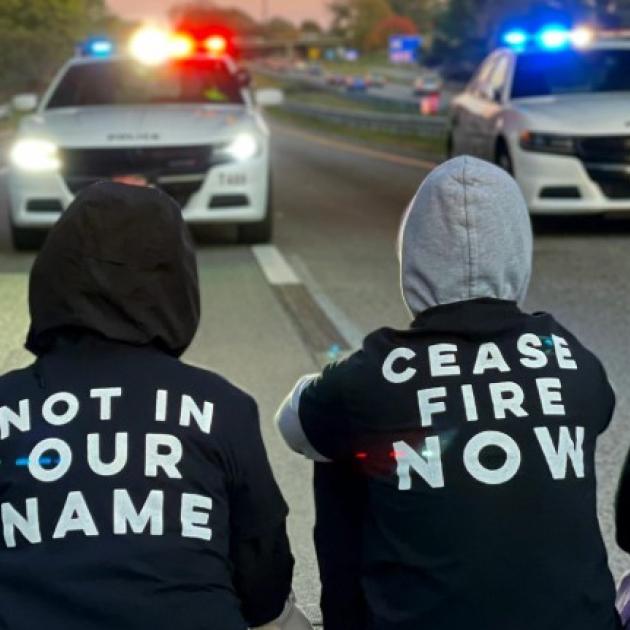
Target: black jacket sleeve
[
  {"x": 622, "y": 508},
  {"x": 259, "y": 546},
  {"x": 263, "y": 572}
]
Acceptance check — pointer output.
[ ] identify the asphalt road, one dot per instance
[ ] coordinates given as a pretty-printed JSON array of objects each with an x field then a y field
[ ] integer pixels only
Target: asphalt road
[{"x": 337, "y": 210}]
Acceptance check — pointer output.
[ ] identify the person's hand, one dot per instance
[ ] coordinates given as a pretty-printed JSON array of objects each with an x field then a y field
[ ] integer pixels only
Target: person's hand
[{"x": 292, "y": 618}]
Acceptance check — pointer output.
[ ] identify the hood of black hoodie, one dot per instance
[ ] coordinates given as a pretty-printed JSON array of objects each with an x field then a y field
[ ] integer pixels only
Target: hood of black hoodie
[{"x": 119, "y": 263}]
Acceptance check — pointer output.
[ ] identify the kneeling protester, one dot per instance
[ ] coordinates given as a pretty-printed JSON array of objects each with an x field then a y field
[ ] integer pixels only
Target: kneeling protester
[
  {"x": 471, "y": 435},
  {"x": 136, "y": 491}
]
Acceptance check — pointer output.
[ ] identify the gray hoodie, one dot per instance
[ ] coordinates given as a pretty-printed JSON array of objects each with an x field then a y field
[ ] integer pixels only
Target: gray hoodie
[{"x": 466, "y": 235}]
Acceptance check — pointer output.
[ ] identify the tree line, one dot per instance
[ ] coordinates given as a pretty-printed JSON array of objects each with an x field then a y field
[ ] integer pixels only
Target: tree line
[{"x": 38, "y": 35}]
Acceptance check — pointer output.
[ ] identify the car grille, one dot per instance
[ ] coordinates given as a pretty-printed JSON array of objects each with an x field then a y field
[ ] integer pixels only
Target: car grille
[
  {"x": 613, "y": 180},
  {"x": 604, "y": 149},
  {"x": 607, "y": 160},
  {"x": 179, "y": 171}
]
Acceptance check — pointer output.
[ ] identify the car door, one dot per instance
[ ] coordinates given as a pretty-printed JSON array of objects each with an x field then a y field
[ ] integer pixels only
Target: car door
[
  {"x": 467, "y": 110},
  {"x": 493, "y": 102}
]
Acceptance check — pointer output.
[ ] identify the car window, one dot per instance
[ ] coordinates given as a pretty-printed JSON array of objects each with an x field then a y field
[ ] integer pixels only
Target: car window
[
  {"x": 207, "y": 81},
  {"x": 571, "y": 72}
]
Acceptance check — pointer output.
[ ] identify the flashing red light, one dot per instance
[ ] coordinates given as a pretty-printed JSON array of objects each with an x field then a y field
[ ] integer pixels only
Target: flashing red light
[
  {"x": 216, "y": 44},
  {"x": 181, "y": 45},
  {"x": 361, "y": 455}
]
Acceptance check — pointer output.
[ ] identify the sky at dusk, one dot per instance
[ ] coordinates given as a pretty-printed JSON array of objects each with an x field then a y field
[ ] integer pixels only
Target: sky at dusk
[{"x": 295, "y": 10}]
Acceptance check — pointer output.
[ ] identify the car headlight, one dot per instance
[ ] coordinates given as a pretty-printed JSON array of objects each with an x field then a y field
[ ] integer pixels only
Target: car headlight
[
  {"x": 35, "y": 155},
  {"x": 243, "y": 147},
  {"x": 548, "y": 143}
]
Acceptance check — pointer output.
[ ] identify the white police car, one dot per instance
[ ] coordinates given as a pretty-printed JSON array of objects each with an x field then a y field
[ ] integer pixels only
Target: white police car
[
  {"x": 552, "y": 108},
  {"x": 177, "y": 113}
]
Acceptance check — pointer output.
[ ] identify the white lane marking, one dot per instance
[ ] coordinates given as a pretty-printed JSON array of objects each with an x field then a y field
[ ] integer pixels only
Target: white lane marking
[
  {"x": 274, "y": 265},
  {"x": 348, "y": 330},
  {"x": 279, "y": 272}
]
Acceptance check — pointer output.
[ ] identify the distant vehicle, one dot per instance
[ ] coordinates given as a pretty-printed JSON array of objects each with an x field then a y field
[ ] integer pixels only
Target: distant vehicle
[
  {"x": 175, "y": 116},
  {"x": 335, "y": 79},
  {"x": 427, "y": 85},
  {"x": 355, "y": 83},
  {"x": 375, "y": 81},
  {"x": 315, "y": 70},
  {"x": 552, "y": 108}
]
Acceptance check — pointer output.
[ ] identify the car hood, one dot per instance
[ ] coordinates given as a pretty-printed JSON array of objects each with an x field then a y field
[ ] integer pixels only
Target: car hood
[
  {"x": 594, "y": 114},
  {"x": 128, "y": 126}
]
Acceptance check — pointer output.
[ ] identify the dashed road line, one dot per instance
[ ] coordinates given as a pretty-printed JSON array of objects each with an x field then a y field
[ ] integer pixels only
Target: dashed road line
[
  {"x": 274, "y": 265},
  {"x": 316, "y": 321},
  {"x": 349, "y": 147}
]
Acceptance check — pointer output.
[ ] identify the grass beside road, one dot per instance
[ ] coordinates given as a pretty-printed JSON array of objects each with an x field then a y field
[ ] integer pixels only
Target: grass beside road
[{"x": 410, "y": 146}]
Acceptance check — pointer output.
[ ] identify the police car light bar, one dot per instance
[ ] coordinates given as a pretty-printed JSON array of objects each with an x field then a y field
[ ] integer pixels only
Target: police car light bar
[
  {"x": 154, "y": 46},
  {"x": 551, "y": 37},
  {"x": 96, "y": 47}
]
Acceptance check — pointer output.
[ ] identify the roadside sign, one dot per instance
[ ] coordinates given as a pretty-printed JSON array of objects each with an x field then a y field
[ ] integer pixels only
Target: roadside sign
[{"x": 405, "y": 48}]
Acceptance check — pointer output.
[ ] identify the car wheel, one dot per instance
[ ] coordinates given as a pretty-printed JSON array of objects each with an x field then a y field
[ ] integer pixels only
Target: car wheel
[
  {"x": 450, "y": 147},
  {"x": 260, "y": 231},
  {"x": 504, "y": 160},
  {"x": 25, "y": 239}
]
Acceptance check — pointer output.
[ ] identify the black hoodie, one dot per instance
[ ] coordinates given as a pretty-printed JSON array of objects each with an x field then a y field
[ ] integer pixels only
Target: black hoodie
[{"x": 135, "y": 490}]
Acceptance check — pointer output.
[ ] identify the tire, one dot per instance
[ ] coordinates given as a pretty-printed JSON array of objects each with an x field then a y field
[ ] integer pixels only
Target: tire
[
  {"x": 27, "y": 239},
  {"x": 449, "y": 147},
  {"x": 503, "y": 158},
  {"x": 261, "y": 231},
  {"x": 258, "y": 232}
]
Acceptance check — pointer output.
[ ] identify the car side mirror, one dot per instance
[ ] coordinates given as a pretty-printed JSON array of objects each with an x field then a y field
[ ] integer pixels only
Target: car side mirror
[
  {"x": 244, "y": 78},
  {"x": 24, "y": 103},
  {"x": 269, "y": 97}
]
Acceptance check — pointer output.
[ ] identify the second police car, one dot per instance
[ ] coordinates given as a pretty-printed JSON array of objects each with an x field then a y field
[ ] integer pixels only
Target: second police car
[
  {"x": 552, "y": 108},
  {"x": 174, "y": 112}
]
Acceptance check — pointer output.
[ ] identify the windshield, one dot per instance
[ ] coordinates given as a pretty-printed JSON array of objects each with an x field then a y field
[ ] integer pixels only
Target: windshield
[
  {"x": 571, "y": 72},
  {"x": 205, "y": 81}
]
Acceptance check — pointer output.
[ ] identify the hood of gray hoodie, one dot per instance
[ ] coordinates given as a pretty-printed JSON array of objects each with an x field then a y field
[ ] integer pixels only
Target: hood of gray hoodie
[{"x": 466, "y": 235}]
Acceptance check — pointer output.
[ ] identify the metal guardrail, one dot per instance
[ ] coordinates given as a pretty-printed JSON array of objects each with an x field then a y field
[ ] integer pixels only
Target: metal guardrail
[{"x": 399, "y": 124}]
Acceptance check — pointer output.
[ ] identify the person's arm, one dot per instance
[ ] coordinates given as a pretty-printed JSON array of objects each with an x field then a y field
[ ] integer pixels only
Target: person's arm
[
  {"x": 289, "y": 424},
  {"x": 259, "y": 546},
  {"x": 262, "y": 574},
  {"x": 622, "y": 508},
  {"x": 313, "y": 420}
]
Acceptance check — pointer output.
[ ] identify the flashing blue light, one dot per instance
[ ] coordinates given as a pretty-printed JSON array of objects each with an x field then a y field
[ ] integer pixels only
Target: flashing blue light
[
  {"x": 554, "y": 37},
  {"x": 99, "y": 48},
  {"x": 515, "y": 38}
]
